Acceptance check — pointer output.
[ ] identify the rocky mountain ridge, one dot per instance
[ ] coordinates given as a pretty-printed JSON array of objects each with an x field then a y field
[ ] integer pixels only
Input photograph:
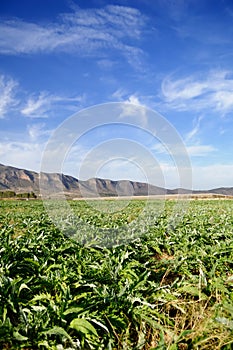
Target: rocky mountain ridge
[{"x": 54, "y": 184}]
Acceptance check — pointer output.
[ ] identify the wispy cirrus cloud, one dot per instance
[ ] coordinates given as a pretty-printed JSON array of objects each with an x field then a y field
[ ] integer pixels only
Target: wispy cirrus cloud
[
  {"x": 193, "y": 145},
  {"x": 37, "y": 107},
  {"x": 193, "y": 150},
  {"x": 14, "y": 99},
  {"x": 200, "y": 150},
  {"x": 195, "y": 130},
  {"x": 86, "y": 32},
  {"x": 213, "y": 91},
  {"x": 120, "y": 94},
  {"x": 38, "y": 130},
  {"x": 7, "y": 94},
  {"x": 41, "y": 105}
]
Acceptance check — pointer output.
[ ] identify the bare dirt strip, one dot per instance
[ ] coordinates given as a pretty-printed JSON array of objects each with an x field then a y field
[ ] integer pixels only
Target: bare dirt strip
[{"x": 201, "y": 196}]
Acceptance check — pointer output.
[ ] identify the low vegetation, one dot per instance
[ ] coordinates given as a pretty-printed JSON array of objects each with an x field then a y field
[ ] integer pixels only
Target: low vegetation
[
  {"x": 170, "y": 286},
  {"x": 14, "y": 195}
]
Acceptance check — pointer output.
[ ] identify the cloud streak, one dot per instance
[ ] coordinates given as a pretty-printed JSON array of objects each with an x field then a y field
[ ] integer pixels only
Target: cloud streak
[
  {"x": 14, "y": 99},
  {"x": 86, "y": 32},
  {"x": 7, "y": 95},
  {"x": 211, "y": 92},
  {"x": 192, "y": 133},
  {"x": 37, "y": 106},
  {"x": 200, "y": 150},
  {"x": 41, "y": 105}
]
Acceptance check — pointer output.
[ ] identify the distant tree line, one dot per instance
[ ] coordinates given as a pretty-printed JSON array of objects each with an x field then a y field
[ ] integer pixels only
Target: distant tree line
[{"x": 12, "y": 194}]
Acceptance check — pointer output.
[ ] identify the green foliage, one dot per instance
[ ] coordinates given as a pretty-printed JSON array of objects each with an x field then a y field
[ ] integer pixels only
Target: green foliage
[
  {"x": 7, "y": 194},
  {"x": 26, "y": 195},
  {"x": 167, "y": 287},
  {"x": 12, "y": 194}
]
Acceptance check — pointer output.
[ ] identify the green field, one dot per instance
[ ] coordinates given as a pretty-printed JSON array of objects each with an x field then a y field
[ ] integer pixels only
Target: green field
[{"x": 143, "y": 277}]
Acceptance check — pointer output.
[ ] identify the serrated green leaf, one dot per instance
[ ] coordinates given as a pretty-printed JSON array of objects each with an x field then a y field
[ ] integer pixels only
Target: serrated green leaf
[
  {"x": 38, "y": 308},
  {"x": 42, "y": 296},
  {"x": 192, "y": 291},
  {"x": 19, "y": 337},
  {"x": 23, "y": 286},
  {"x": 73, "y": 310},
  {"x": 83, "y": 326},
  {"x": 44, "y": 343},
  {"x": 57, "y": 331}
]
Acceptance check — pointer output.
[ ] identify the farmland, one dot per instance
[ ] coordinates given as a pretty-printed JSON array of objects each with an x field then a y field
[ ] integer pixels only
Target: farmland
[{"x": 143, "y": 277}]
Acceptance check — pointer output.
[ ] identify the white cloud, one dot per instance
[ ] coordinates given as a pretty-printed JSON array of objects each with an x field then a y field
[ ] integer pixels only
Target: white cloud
[
  {"x": 7, "y": 95},
  {"x": 200, "y": 150},
  {"x": 37, "y": 107},
  {"x": 187, "y": 150},
  {"x": 196, "y": 149},
  {"x": 212, "y": 176},
  {"x": 213, "y": 91},
  {"x": 36, "y": 131},
  {"x": 106, "y": 64},
  {"x": 41, "y": 105},
  {"x": 191, "y": 134},
  {"x": 203, "y": 177},
  {"x": 123, "y": 95},
  {"x": 85, "y": 31},
  {"x": 122, "y": 21},
  {"x": 223, "y": 100},
  {"x": 132, "y": 107},
  {"x": 182, "y": 89},
  {"x": 119, "y": 94},
  {"x": 26, "y": 155},
  {"x": 133, "y": 99}
]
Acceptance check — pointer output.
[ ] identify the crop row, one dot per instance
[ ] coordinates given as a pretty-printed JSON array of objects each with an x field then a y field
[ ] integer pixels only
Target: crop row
[{"x": 143, "y": 277}]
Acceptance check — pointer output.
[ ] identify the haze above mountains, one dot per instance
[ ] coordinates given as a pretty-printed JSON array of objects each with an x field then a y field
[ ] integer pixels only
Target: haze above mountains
[{"x": 21, "y": 180}]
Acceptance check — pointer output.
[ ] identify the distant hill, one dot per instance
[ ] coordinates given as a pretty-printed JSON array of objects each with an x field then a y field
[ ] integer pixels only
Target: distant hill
[{"x": 21, "y": 180}]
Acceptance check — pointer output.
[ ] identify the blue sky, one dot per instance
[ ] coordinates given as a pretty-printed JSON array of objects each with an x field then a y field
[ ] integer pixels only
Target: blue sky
[{"x": 59, "y": 57}]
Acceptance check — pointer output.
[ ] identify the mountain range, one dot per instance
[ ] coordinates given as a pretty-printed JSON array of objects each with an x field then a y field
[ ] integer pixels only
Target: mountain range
[{"x": 56, "y": 184}]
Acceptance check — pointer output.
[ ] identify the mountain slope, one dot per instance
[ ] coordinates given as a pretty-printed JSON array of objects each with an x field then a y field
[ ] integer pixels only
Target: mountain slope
[
  {"x": 21, "y": 180},
  {"x": 18, "y": 179},
  {"x": 54, "y": 184}
]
